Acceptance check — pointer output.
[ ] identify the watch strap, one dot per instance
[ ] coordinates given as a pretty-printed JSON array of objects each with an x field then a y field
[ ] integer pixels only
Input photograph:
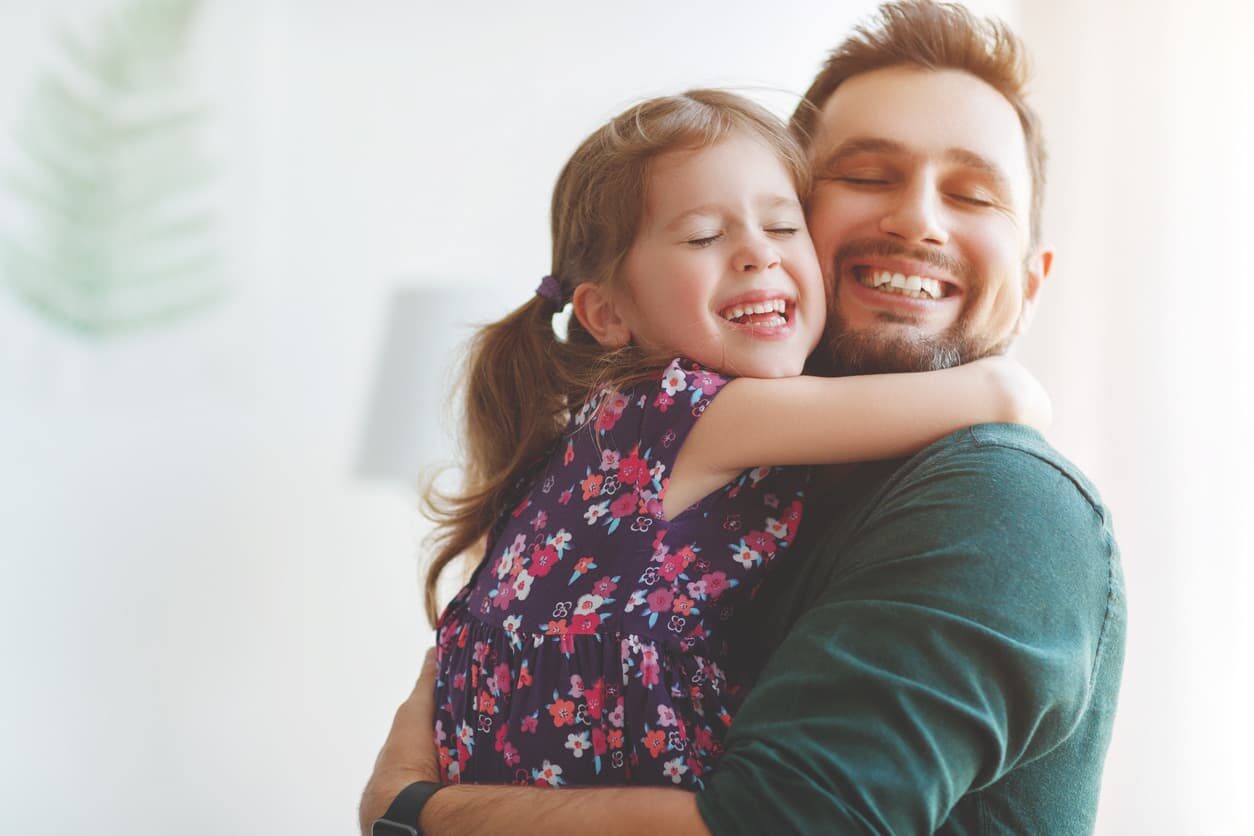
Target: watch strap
[{"x": 401, "y": 818}]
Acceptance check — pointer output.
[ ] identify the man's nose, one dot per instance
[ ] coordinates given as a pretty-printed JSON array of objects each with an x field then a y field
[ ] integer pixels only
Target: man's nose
[
  {"x": 916, "y": 217},
  {"x": 756, "y": 252}
]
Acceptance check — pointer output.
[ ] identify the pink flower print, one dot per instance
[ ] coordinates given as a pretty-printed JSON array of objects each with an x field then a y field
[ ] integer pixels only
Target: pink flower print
[
  {"x": 540, "y": 520},
  {"x": 504, "y": 596},
  {"x": 708, "y": 382},
  {"x": 609, "y": 413},
  {"x": 604, "y": 587},
  {"x": 674, "y": 380},
  {"x": 633, "y": 470},
  {"x": 530, "y": 724},
  {"x": 503, "y": 679},
  {"x": 594, "y": 698},
  {"x": 569, "y": 455},
  {"x": 510, "y": 754},
  {"x": 547, "y": 775},
  {"x": 503, "y": 565},
  {"x": 715, "y": 584},
  {"x": 578, "y": 743},
  {"x": 703, "y": 739},
  {"x": 770, "y": 500},
  {"x": 616, "y": 718},
  {"x": 672, "y": 566},
  {"x": 666, "y": 716},
  {"x": 683, "y": 605},
  {"x": 585, "y": 625},
  {"x": 649, "y": 673},
  {"x": 674, "y": 769},
  {"x": 663, "y": 402},
  {"x": 624, "y": 505},
  {"x": 792, "y": 518},
  {"x": 440, "y": 734},
  {"x": 519, "y": 545},
  {"x": 576, "y": 686},
  {"x": 599, "y": 744},
  {"x": 565, "y": 496},
  {"x": 697, "y": 589},
  {"x": 660, "y": 599},
  {"x": 522, "y": 585},
  {"x": 595, "y": 512},
  {"x": 542, "y": 561},
  {"x": 609, "y": 460},
  {"x": 760, "y": 542}
]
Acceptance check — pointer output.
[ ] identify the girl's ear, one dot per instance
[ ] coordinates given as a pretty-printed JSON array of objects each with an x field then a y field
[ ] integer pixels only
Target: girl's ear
[{"x": 597, "y": 311}]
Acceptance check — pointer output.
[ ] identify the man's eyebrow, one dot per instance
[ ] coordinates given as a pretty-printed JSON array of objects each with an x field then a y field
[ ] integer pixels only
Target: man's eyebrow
[
  {"x": 990, "y": 169},
  {"x": 862, "y": 145},
  {"x": 965, "y": 157}
]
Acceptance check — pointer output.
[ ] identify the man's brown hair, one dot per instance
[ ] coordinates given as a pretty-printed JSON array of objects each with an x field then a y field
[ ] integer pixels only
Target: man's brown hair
[{"x": 935, "y": 36}]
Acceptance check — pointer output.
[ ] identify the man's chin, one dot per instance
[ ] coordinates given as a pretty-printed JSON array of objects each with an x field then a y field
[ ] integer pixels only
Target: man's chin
[{"x": 866, "y": 352}]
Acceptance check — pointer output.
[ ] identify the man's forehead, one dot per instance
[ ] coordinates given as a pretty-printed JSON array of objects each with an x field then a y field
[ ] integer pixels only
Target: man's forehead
[{"x": 929, "y": 112}]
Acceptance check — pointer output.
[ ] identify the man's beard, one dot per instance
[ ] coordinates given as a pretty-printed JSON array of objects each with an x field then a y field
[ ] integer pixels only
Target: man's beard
[{"x": 875, "y": 351}]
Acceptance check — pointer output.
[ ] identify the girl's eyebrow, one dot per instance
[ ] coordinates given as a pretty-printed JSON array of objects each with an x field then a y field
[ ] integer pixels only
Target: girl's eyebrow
[{"x": 708, "y": 209}]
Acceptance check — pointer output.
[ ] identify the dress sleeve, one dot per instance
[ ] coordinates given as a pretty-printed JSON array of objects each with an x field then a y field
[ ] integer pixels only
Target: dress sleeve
[
  {"x": 954, "y": 637},
  {"x": 641, "y": 431}
]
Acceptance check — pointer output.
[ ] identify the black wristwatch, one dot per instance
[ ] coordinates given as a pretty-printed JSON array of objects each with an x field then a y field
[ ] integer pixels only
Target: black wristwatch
[{"x": 401, "y": 819}]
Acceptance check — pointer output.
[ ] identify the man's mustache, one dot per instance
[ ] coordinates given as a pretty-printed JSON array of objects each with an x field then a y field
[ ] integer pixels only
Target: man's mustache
[{"x": 885, "y": 248}]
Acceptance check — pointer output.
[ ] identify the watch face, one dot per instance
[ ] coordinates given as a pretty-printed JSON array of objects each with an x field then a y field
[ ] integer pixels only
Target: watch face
[{"x": 384, "y": 827}]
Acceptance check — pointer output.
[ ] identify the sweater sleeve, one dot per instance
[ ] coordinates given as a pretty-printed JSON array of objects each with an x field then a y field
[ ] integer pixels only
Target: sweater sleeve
[{"x": 950, "y": 637}]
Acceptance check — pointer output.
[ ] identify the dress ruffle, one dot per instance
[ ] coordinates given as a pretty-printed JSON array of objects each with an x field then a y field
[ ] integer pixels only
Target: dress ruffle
[{"x": 632, "y": 708}]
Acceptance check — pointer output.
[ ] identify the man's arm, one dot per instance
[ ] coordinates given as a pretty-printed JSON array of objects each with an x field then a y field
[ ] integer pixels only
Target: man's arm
[{"x": 951, "y": 637}]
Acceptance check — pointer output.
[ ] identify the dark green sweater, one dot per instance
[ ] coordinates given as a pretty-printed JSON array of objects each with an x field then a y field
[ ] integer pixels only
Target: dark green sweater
[{"x": 944, "y": 656}]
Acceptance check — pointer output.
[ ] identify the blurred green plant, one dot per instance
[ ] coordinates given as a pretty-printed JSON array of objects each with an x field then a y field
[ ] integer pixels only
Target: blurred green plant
[{"x": 113, "y": 223}]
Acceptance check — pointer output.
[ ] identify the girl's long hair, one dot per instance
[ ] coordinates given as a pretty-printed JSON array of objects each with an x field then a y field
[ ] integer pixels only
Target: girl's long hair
[{"x": 521, "y": 380}]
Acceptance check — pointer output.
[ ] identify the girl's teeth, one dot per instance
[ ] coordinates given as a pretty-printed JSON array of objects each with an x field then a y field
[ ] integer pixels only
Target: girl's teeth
[{"x": 778, "y": 306}]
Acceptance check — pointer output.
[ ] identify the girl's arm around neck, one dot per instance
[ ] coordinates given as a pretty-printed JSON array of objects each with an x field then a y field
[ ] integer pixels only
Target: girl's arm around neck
[{"x": 817, "y": 420}]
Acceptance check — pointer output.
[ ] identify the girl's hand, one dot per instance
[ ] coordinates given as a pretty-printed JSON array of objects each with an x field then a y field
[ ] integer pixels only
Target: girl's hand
[{"x": 1025, "y": 399}]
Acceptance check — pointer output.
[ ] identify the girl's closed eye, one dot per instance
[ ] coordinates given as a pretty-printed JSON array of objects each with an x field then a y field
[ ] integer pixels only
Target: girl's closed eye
[
  {"x": 783, "y": 230},
  {"x": 704, "y": 240}
]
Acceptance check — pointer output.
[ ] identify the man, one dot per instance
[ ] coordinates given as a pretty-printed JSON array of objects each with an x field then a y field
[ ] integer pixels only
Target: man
[{"x": 945, "y": 656}]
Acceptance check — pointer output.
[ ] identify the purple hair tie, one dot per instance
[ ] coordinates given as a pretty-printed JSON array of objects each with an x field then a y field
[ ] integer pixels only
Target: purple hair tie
[{"x": 551, "y": 290}]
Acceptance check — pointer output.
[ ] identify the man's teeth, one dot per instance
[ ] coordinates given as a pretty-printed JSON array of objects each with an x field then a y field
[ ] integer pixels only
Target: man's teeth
[
  {"x": 771, "y": 306},
  {"x": 915, "y": 287}
]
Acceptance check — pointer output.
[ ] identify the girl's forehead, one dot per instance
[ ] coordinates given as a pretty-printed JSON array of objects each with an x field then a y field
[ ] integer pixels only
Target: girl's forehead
[{"x": 738, "y": 170}]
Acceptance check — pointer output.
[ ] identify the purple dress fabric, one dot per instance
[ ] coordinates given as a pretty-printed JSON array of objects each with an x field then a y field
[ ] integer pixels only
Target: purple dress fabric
[{"x": 589, "y": 647}]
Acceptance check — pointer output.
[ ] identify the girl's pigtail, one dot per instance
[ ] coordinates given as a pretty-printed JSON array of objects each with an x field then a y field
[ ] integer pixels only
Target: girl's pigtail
[{"x": 514, "y": 410}]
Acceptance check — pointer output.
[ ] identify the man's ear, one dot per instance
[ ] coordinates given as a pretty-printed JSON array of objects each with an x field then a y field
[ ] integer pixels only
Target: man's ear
[
  {"x": 597, "y": 311},
  {"x": 1038, "y": 266}
]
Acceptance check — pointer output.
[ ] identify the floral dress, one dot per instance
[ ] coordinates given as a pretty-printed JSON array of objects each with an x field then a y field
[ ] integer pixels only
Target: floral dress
[{"x": 589, "y": 648}]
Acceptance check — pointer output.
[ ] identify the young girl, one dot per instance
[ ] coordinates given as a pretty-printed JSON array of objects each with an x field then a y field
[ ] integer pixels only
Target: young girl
[{"x": 630, "y": 491}]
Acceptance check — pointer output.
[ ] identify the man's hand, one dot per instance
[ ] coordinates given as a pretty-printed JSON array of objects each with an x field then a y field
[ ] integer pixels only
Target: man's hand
[{"x": 408, "y": 754}]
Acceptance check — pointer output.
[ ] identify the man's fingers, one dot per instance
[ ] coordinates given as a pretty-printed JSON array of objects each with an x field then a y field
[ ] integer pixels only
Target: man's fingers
[{"x": 426, "y": 677}]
